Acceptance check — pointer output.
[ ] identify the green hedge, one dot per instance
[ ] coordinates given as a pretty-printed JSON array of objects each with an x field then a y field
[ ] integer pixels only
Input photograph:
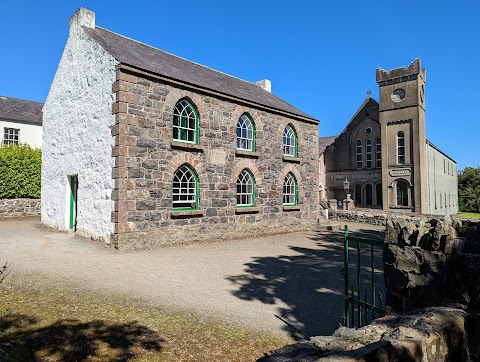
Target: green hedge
[{"x": 20, "y": 172}]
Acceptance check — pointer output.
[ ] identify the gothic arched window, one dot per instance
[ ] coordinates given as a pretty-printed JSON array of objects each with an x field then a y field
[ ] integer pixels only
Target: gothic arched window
[
  {"x": 245, "y": 134},
  {"x": 185, "y": 189}
]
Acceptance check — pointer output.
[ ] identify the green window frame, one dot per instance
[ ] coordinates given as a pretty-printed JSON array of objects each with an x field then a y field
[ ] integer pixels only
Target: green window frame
[
  {"x": 185, "y": 189},
  {"x": 245, "y": 189},
  {"x": 185, "y": 122},
  {"x": 290, "y": 190},
  {"x": 245, "y": 134},
  {"x": 290, "y": 141}
]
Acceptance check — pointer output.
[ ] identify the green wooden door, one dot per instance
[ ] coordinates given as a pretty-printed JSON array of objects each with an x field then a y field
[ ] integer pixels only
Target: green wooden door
[{"x": 73, "y": 181}]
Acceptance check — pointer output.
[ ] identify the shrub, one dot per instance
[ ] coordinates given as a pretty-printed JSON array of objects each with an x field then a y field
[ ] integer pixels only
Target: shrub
[{"x": 20, "y": 172}]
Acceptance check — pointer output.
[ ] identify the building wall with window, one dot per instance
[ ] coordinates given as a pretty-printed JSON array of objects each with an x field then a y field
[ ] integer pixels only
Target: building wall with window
[
  {"x": 143, "y": 148},
  {"x": 20, "y": 122},
  {"x": 238, "y": 183},
  {"x": 353, "y": 156},
  {"x": 384, "y": 154},
  {"x": 442, "y": 182}
]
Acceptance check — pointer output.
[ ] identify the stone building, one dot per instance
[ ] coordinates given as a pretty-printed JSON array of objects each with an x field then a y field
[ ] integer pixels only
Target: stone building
[
  {"x": 384, "y": 154},
  {"x": 20, "y": 121},
  {"x": 143, "y": 148}
]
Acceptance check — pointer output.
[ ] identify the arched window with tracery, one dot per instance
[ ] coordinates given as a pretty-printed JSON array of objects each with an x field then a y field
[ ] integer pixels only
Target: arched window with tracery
[
  {"x": 245, "y": 134},
  {"x": 289, "y": 190},
  {"x": 185, "y": 189},
  {"x": 185, "y": 122},
  {"x": 245, "y": 189},
  {"x": 290, "y": 141}
]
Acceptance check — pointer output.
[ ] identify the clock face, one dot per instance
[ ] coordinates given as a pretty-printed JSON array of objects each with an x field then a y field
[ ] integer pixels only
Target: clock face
[{"x": 398, "y": 95}]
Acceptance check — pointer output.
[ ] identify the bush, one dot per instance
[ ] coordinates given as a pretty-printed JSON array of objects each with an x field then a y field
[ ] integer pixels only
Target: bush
[{"x": 20, "y": 172}]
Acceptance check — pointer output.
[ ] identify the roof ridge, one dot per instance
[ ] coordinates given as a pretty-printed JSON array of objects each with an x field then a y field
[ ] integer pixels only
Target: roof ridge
[
  {"x": 19, "y": 99},
  {"x": 185, "y": 59}
]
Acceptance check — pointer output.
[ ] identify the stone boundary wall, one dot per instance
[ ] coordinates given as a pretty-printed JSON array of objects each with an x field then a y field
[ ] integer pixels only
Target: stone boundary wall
[
  {"x": 376, "y": 217},
  {"x": 10, "y": 208}
]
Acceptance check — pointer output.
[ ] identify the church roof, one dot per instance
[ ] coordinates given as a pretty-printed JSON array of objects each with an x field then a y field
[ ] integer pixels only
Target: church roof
[
  {"x": 368, "y": 103},
  {"x": 324, "y": 142},
  {"x": 141, "y": 56},
  {"x": 14, "y": 109}
]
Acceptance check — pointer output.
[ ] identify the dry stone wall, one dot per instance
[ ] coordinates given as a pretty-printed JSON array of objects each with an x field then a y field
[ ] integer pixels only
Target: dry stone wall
[
  {"x": 431, "y": 273},
  {"x": 11, "y": 208}
]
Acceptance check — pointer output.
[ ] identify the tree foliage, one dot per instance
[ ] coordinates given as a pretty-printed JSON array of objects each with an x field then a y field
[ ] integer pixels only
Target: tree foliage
[
  {"x": 469, "y": 189},
  {"x": 20, "y": 172}
]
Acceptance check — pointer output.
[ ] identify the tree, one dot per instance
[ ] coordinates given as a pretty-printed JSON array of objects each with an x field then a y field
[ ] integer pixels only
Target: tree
[{"x": 469, "y": 189}]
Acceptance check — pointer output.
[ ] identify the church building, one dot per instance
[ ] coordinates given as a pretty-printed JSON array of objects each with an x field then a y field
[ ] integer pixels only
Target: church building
[{"x": 383, "y": 155}]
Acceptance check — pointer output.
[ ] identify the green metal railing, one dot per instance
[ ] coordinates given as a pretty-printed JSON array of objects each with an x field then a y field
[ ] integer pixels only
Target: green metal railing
[{"x": 357, "y": 311}]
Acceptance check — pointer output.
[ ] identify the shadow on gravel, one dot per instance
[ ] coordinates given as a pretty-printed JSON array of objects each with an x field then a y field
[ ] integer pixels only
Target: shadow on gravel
[
  {"x": 308, "y": 286},
  {"x": 71, "y": 340}
]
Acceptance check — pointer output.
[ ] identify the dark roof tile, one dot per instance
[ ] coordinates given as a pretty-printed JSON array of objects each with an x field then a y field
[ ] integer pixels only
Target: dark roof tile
[
  {"x": 145, "y": 57},
  {"x": 324, "y": 142},
  {"x": 20, "y": 110}
]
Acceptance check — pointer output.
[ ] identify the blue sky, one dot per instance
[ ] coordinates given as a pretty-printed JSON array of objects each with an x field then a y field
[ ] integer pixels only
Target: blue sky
[{"x": 321, "y": 56}]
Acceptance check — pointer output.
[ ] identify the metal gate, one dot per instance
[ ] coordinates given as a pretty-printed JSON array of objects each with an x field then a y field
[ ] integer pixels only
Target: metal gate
[{"x": 360, "y": 311}]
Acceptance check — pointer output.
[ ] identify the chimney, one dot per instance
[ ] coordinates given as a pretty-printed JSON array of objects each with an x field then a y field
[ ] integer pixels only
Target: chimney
[
  {"x": 265, "y": 84},
  {"x": 83, "y": 17}
]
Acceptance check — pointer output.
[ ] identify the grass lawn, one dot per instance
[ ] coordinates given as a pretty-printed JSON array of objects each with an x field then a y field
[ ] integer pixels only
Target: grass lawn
[
  {"x": 67, "y": 324},
  {"x": 469, "y": 215}
]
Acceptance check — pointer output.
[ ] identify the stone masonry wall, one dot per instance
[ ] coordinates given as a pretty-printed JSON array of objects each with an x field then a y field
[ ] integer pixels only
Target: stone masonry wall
[
  {"x": 434, "y": 262},
  {"x": 146, "y": 159},
  {"x": 10, "y": 208}
]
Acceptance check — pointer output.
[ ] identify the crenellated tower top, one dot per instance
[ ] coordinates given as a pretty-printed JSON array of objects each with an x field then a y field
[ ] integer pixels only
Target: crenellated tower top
[{"x": 413, "y": 70}]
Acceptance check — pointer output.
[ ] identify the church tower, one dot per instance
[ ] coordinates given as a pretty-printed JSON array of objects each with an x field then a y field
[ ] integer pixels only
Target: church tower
[{"x": 403, "y": 142}]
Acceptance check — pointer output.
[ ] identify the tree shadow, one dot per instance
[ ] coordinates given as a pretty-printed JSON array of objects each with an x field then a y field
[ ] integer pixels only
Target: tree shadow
[
  {"x": 308, "y": 286},
  {"x": 73, "y": 340}
]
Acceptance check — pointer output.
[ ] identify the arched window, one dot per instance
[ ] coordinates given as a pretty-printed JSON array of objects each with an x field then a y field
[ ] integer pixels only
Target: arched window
[
  {"x": 245, "y": 189},
  {"x": 359, "y": 154},
  {"x": 185, "y": 122},
  {"x": 289, "y": 190},
  {"x": 368, "y": 153},
  {"x": 185, "y": 189},
  {"x": 358, "y": 194},
  {"x": 289, "y": 141},
  {"x": 245, "y": 134},
  {"x": 400, "y": 148},
  {"x": 378, "y": 152},
  {"x": 378, "y": 191},
  {"x": 369, "y": 194},
  {"x": 402, "y": 194}
]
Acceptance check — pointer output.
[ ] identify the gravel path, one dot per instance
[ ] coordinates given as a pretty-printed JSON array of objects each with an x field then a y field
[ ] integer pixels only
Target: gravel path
[{"x": 249, "y": 282}]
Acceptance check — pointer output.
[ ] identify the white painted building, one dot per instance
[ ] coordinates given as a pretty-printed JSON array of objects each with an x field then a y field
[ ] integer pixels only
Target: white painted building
[{"x": 20, "y": 122}]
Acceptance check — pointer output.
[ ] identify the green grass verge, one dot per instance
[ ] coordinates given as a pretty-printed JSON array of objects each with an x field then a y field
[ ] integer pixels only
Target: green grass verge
[
  {"x": 66, "y": 324},
  {"x": 469, "y": 215}
]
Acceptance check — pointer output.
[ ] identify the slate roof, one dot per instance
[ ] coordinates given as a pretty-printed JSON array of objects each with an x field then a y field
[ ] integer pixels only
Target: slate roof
[
  {"x": 141, "y": 56},
  {"x": 14, "y": 109},
  {"x": 324, "y": 142}
]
